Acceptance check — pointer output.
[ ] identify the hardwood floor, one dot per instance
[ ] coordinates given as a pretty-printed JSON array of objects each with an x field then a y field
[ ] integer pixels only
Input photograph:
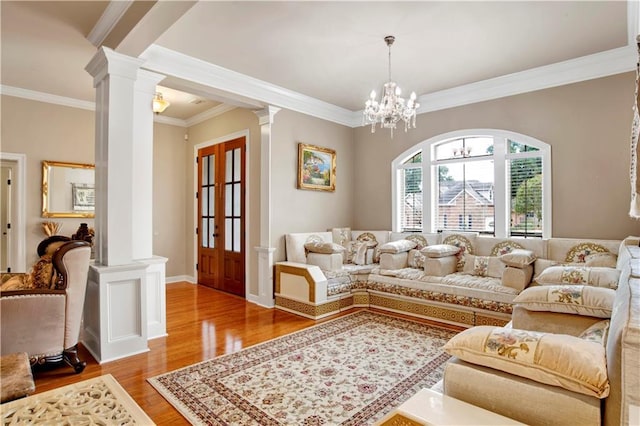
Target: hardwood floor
[{"x": 202, "y": 323}]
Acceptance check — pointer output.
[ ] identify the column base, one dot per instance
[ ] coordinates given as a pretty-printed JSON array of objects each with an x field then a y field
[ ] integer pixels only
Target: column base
[
  {"x": 265, "y": 296},
  {"x": 115, "y": 311}
]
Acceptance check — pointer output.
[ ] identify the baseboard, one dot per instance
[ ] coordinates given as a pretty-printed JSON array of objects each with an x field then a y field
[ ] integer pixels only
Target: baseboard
[{"x": 180, "y": 278}]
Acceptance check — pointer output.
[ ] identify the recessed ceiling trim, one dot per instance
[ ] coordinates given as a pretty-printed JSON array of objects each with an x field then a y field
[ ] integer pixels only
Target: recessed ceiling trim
[
  {"x": 210, "y": 113},
  {"x": 169, "y": 120},
  {"x": 169, "y": 62},
  {"x": 46, "y": 97},
  {"x": 110, "y": 17},
  {"x": 588, "y": 67}
]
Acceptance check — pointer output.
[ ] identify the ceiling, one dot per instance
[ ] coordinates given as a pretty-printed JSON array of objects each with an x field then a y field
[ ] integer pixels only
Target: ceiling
[{"x": 332, "y": 52}]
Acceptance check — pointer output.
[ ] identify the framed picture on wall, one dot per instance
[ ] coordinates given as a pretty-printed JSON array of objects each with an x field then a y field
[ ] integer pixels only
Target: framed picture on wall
[
  {"x": 316, "y": 168},
  {"x": 83, "y": 196}
]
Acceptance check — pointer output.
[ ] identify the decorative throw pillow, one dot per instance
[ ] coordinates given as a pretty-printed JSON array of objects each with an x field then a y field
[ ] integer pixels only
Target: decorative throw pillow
[
  {"x": 483, "y": 266},
  {"x": 326, "y": 248},
  {"x": 42, "y": 273},
  {"x": 579, "y": 252},
  {"x": 561, "y": 360},
  {"x": 459, "y": 241},
  {"x": 398, "y": 246},
  {"x": 359, "y": 250},
  {"x": 597, "y": 332},
  {"x": 606, "y": 260},
  {"x": 440, "y": 250},
  {"x": 505, "y": 247},
  {"x": 341, "y": 236},
  {"x": 15, "y": 282},
  {"x": 368, "y": 238},
  {"x": 421, "y": 242},
  {"x": 568, "y": 299},
  {"x": 598, "y": 277},
  {"x": 416, "y": 259},
  {"x": 518, "y": 258}
]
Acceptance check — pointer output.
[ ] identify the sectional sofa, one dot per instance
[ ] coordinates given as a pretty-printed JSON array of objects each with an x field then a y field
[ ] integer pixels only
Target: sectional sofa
[
  {"x": 571, "y": 354},
  {"x": 337, "y": 270}
]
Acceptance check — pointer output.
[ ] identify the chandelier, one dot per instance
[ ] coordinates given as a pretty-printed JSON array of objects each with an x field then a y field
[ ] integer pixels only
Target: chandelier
[
  {"x": 392, "y": 107},
  {"x": 159, "y": 104}
]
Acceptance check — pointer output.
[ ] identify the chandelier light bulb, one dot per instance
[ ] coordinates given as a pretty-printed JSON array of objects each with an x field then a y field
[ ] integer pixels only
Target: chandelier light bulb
[{"x": 391, "y": 107}]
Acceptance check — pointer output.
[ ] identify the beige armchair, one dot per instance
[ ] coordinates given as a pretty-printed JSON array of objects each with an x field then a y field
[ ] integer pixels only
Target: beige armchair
[{"x": 45, "y": 322}]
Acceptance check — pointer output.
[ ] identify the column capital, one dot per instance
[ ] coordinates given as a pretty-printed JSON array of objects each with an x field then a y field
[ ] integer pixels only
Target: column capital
[
  {"x": 266, "y": 115},
  {"x": 148, "y": 80},
  {"x": 106, "y": 61}
]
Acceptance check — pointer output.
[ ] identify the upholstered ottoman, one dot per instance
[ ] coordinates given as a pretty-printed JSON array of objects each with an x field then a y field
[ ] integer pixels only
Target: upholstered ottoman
[{"x": 16, "y": 379}]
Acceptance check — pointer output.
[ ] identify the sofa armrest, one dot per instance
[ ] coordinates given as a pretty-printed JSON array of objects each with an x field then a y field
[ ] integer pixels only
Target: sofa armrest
[
  {"x": 440, "y": 266},
  {"x": 394, "y": 260},
  {"x": 326, "y": 261}
]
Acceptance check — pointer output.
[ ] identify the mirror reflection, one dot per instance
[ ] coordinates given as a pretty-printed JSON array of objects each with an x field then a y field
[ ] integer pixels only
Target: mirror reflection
[{"x": 68, "y": 189}]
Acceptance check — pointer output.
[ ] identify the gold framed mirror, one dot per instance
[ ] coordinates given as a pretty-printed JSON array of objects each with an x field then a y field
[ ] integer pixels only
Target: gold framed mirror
[{"x": 68, "y": 189}]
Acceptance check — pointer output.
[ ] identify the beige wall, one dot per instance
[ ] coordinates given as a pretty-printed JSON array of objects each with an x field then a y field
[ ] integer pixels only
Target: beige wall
[
  {"x": 45, "y": 132},
  {"x": 234, "y": 121},
  {"x": 296, "y": 210},
  {"x": 170, "y": 197},
  {"x": 587, "y": 124}
]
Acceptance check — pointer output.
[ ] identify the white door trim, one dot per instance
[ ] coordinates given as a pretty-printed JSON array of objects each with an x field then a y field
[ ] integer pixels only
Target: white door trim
[
  {"x": 247, "y": 268},
  {"x": 19, "y": 223}
]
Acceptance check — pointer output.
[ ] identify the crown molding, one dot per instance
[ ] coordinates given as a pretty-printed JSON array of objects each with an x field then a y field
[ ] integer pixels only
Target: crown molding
[
  {"x": 588, "y": 67},
  {"x": 208, "y": 114},
  {"x": 176, "y": 64},
  {"x": 157, "y": 118},
  {"x": 159, "y": 59},
  {"x": 114, "y": 11},
  {"x": 46, "y": 97}
]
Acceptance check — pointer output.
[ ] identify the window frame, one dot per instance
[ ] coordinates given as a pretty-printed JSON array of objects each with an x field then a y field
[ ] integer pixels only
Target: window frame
[{"x": 501, "y": 158}]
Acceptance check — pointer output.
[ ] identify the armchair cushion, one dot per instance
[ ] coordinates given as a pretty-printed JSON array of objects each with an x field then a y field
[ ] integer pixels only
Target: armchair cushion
[
  {"x": 555, "y": 359},
  {"x": 570, "y": 299}
]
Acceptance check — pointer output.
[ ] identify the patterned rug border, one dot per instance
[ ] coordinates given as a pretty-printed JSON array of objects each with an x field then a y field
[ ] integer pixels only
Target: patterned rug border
[{"x": 361, "y": 316}]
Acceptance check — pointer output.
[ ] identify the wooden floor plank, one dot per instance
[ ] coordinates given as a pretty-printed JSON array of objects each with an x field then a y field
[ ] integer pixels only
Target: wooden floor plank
[{"x": 202, "y": 323}]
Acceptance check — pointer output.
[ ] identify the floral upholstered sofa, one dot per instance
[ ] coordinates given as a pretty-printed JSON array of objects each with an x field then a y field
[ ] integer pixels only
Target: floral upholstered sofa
[
  {"x": 458, "y": 278},
  {"x": 570, "y": 356}
]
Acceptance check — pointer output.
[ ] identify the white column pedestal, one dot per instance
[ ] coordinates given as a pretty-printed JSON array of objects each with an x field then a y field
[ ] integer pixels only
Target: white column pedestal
[
  {"x": 156, "y": 296},
  {"x": 265, "y": 277},
  {"x": 115, "y": 311}
]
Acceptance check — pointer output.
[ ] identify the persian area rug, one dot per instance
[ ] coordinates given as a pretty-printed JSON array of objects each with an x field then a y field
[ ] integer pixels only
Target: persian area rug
[
  {"x": 97, "y": 401},
  {"x": 349, "y": 371}
]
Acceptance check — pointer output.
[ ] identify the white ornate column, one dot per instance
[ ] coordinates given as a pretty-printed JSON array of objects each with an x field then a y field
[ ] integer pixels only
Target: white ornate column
[
  {"x": 265, "y": 251},
  {"x": 115, "y": 319}
]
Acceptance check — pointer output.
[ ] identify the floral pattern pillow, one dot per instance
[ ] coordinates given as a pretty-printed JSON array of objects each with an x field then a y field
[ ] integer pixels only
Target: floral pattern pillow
[
  {"x": 579, "y": 252},
  {"x": 594, "y": 276},
  {"x": 464, "y": 244},
  {"x": 568, "y": 299},
  {"x": 576, "y": 364},
  {"x": 505, "y": 247}
]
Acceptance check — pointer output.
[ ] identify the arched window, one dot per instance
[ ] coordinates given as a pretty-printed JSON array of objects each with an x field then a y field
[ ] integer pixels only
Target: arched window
[{"x": 494, "y": 182}]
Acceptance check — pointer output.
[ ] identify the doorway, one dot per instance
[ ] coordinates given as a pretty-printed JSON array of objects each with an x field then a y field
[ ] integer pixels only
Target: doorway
[
  {"x": 221, "y": 216},
  {"x": 12, "y": 202}
]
